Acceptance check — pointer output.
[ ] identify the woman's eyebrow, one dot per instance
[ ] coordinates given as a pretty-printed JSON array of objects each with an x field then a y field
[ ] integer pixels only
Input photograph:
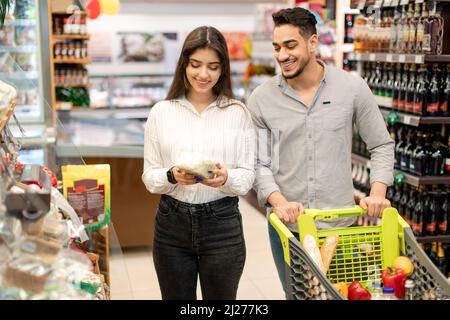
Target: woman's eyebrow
[{"x": 194, "y": 60}]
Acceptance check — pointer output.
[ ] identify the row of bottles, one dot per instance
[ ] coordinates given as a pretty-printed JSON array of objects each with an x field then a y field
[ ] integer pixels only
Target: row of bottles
[
  {"x": 413, "y": 28},
  {"x": 426, "y": 210},
  {"x": 73, "y": 25},
  {"x": 423, "y": 89},
  {"x": 439, "y": 254},
  {"x": 422, "y": 151},
  {"x": 71, "y": 76},
  {"x": 71, "y": 50}
]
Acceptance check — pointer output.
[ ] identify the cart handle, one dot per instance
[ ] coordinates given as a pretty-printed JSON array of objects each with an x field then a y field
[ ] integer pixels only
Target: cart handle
[{"x": 330, "y": 214}]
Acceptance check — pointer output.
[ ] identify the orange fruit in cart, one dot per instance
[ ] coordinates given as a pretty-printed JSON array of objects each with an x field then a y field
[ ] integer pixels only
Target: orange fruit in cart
[{"x": 405, "y": 264}]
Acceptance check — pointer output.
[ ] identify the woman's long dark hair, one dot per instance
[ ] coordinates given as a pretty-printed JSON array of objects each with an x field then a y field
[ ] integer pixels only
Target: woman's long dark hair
[{"x": 200, "y": 38}]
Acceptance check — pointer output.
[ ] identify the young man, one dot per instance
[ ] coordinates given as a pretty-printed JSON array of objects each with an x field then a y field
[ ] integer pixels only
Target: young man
[{"x": 304, "y": 118}]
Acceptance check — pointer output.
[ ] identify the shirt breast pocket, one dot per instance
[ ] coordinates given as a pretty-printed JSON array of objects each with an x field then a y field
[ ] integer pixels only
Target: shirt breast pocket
[{"x": 335, "y": 119}]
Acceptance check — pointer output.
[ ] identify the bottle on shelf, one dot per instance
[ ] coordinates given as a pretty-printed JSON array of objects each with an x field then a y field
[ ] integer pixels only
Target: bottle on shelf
[
  {"x": 409, "y": 215},
  {"x": 348, "y": 38},
  {"x": 433, "y": 30},
  {"x": 433, "y": 93},
  {"x": 446, "y": 100},
  {"x": 411, "y": 90},
  {"x": 431, "y": 216},
  {"x": 421, "y": 92},
  {"x": 443, "y": 214},
  {"x": 412, "y": 27},
  {"x": 440, "y": 258},
  {"x": 403, "y": 88},
  {"x": 403, "y": 202},
  {"x": 418, "y": 215},
  {"x": 396, "y": 87},
  {"x": 419, "y": 157},
  {"x": 396, "y": 20}
]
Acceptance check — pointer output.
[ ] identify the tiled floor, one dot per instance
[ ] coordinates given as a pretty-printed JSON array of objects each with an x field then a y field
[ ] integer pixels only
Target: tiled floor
[{"x": 133, "y": 274}]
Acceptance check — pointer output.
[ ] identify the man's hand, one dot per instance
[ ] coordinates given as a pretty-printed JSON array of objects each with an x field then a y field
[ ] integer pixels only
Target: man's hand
[
  {"x": 219, "y": 179},
  {"x": 288, "y": 211},
  {"x": 374, "y": 206}
]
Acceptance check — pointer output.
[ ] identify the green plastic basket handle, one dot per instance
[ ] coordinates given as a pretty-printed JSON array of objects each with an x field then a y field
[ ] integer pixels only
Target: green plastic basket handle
[{"x": 327, "y": 215}]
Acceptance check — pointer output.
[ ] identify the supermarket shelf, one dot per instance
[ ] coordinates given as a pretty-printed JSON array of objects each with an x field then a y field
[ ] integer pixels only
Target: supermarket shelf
[
  {"x": 409, "y": 178},
  {"x": 20, "y": 23},
  {"x": 62, "y": 37},
  {"x": 425, "y": 180},
  {"x": 115, "y": 113},
  {"x": 73, "y": 86},
  {"x": 18, "y": 49},
  {"x": 24, "y": 75},
  {"x": 401, "y": 58},
  {"x": 428, "y": 239},
  {"x": 415, "y": 121},
  {"x": 356, "y": 158},
  {"x": 351, "y": 11},
  {"x": 73, "y": 61}
]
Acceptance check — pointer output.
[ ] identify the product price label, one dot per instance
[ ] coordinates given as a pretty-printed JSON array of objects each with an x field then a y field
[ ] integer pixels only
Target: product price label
[
  {"x": 404, "y": 2},
  {"x": 394, "y": 3},
  {"x": 406, "y": 120},
  {"x": 372, "y": 57},
  {"x": 402, "y": 58},
  {"x": 358, "y": 56},
  {"x": 389, "y": 57},
  {"x": 419, "y": 1},
  {"x": 419, "y": 59}
]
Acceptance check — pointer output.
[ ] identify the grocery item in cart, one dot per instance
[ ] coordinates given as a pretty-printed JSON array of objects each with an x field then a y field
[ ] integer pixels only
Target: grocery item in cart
[{"x": 310, "y": 244}]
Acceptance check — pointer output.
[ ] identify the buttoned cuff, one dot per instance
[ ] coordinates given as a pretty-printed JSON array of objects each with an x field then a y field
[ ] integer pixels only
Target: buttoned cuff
[
  {"x": 386, "y": 178},
  {"x": 264, "y": 193}
]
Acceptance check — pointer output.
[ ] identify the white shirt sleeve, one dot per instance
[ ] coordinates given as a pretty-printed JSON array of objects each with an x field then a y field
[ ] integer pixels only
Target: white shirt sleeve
[
  {"x": 240, "y": 179},
  {"x": 155, "y": 175}
]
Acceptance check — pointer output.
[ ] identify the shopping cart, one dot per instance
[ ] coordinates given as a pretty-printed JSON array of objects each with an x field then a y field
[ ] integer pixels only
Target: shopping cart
[{"x": 362, "y": 253}]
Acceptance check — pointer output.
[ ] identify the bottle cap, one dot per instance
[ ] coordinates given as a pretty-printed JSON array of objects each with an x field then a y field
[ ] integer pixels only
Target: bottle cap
[
  {"x": 388, "y": 290},
  {"x": 409, "y": 284}
]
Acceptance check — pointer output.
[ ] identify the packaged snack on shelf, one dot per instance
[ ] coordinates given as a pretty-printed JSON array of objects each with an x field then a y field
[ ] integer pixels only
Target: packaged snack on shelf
[
  {"x": 26, "y": 272},
  {"x": 45, "y": 250},
  {"x": 87, "y": 189}
]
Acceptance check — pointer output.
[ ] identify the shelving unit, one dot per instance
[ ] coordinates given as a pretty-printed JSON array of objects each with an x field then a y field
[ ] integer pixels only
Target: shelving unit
[
  {"x": 413, "y": 120},
  {"x": 398, "y": 58},
  {"x": 410, "y": 179},
  {"x": 58, "y": 62},
  {"x": 430, "y": 239}
]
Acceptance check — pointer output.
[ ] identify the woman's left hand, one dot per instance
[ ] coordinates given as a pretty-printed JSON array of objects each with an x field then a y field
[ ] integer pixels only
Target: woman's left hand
[{"x": 219, "y": 179}]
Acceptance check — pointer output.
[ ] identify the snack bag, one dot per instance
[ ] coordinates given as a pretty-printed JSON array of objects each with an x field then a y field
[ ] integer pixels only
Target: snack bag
[
  {"x": 87, "y": 189},
  {"x": 196, "y": 164}
]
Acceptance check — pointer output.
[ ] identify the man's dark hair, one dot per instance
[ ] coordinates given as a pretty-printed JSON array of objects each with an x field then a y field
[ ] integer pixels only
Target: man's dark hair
[{"x": 299, "y": 17}]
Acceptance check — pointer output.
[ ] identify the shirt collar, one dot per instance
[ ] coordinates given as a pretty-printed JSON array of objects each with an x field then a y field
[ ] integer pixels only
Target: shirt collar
[
  {"x": 220, "y": 102},
  {"x": 282, "y": 82}
]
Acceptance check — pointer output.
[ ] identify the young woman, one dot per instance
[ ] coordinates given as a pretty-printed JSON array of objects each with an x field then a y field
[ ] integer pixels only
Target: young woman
[{"x": 198, "y": 228}]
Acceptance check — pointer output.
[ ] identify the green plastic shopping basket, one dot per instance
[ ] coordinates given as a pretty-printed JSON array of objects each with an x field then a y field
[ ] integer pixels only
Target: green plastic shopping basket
[{"x": 362, "y": 253}]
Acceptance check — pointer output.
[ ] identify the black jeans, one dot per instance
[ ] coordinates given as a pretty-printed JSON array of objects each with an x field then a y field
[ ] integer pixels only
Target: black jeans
[{"x": 204, "y": 240}]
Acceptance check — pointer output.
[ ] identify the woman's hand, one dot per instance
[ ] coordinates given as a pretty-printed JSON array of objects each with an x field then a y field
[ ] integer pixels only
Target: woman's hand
[
  {"x": 219, "y": 179},
  {"x": 182, "y": 177}
]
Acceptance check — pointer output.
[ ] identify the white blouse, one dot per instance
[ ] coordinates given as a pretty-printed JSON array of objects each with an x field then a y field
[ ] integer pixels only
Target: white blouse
[{"x": 222, "y": 133}]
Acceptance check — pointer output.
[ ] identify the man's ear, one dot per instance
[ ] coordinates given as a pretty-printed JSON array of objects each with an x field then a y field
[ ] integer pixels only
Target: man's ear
[{"x": 313, "y": 43}]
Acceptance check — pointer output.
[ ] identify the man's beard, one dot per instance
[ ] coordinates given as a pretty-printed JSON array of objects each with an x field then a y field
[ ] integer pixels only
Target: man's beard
[{"x": 298, "y": 71}]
